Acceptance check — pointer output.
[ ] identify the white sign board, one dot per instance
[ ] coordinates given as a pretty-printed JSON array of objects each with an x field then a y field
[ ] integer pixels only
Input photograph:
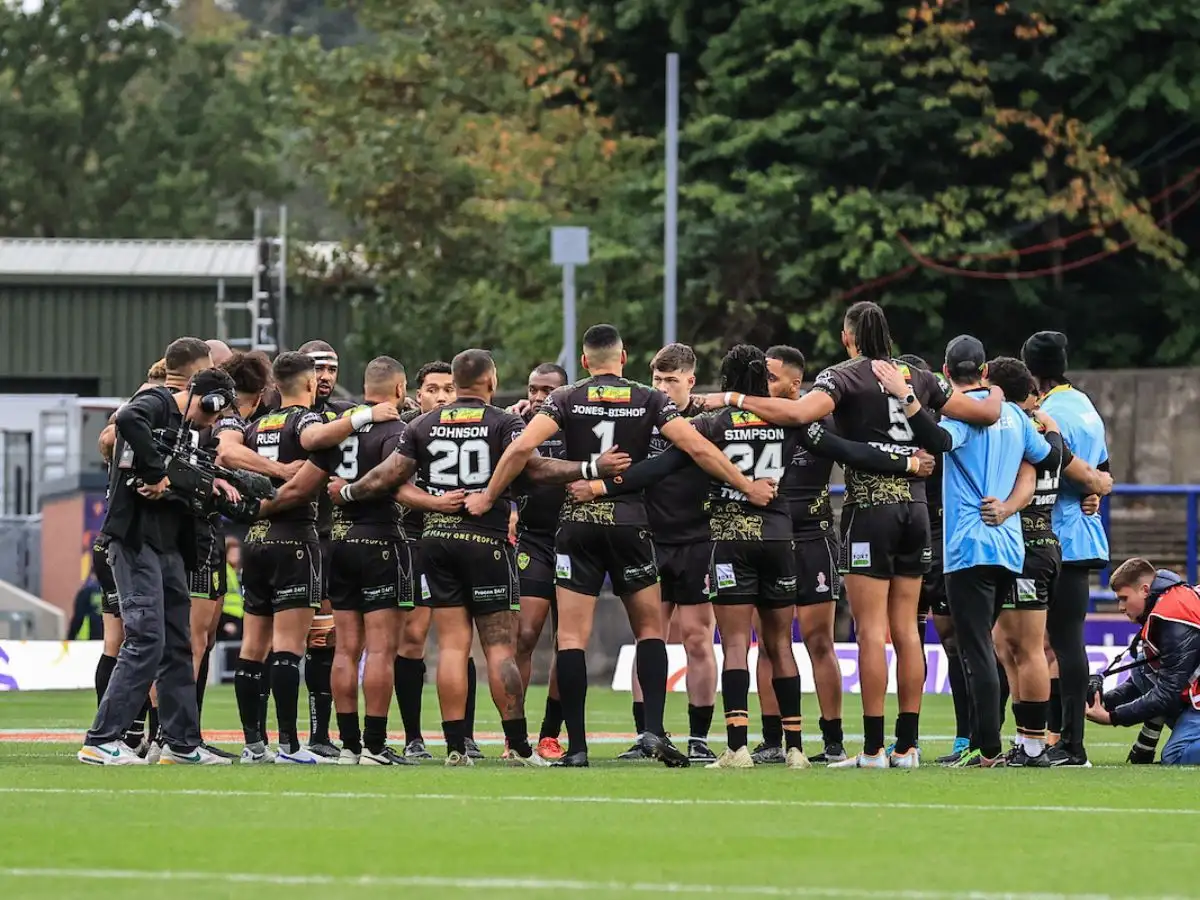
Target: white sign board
[
  {"x": 569, "y": 246},
  {"x": 48, "y": 665}
]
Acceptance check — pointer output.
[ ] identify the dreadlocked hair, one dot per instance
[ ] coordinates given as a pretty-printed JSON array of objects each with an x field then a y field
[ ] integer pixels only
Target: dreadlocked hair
[
  {"x": 866, "y": 321},
  {"x": 744, "y": 369}
]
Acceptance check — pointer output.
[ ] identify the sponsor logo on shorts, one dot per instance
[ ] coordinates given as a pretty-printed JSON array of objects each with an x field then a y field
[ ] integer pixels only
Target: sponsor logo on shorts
[
  {"x": 607, "y": 393},
  {"x": 860, "y": 555},
  {"x": 1026, "y": 590},
  {"x": 745, "y": 419},
  {"x": 489, "y": 593},
  {"x": 522, "y": 561},
  {"x": 786, "y": 585},
  {"x": 425, "y": 595},
  {"x": 725, "y": 576},
  {"x": 562, "y": 565},
  {"x": 462, "y": 414},
  {"x": 822, "y": 583},
  {"x": 927, "y": 555},
  {"x": 287, "y": 593},
  {"x": 632, "y": 573}
]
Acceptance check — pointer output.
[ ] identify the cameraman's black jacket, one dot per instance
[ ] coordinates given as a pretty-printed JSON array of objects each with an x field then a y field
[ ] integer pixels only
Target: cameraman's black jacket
[
  {"x": 1171, "y": 639},
  {"x": 164, "y": 524}
]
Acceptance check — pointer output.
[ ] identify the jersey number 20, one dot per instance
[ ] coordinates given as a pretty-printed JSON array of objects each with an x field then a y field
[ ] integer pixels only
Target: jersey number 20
[{"x": 468, "y": 464}]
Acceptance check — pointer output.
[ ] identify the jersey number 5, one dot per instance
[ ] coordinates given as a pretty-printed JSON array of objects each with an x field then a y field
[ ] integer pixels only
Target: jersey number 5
[
  {"x": 468, "y": 464},
  {"x": 899, "y": 430}
]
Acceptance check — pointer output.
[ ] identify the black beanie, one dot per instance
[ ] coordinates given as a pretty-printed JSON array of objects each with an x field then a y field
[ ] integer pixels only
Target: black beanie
[{"x": 1045, "y": 354}]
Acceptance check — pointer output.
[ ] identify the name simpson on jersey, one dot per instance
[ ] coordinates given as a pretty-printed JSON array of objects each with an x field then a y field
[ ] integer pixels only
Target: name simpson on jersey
[
  {"x": 609, "y": 412},
  {"x": 754, "y": 434},
  {"x": 458, "y": 431}
]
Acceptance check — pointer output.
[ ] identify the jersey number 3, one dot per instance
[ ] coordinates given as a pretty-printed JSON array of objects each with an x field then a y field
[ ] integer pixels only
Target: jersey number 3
[{"x": 347, "y": 468}]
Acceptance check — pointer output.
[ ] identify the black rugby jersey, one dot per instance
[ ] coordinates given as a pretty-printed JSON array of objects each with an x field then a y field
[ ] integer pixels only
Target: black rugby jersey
[
  {"x": 412, "y": 521},
  {"x": 277, "y": 437},
  {"x": 677, "y": 506},
  {"x": 866, "y": 412},
  {"x": 539, "y": 505},
  {"x": 378, "y": 518},
  {"x": 600, "y": 412},
  {"x": 456, "y": 447},
  {"x": 329, "y": 410},
  {"x": 1035, "y": 518}
]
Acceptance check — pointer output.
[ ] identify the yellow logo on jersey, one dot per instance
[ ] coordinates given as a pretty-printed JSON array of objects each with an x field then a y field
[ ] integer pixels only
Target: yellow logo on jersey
[
  {"x": 462, "y": 414},
  {"x": 606, "y": 393},
  {"x": 745, "y": 419},
  {"x": 273, "y": 422}
]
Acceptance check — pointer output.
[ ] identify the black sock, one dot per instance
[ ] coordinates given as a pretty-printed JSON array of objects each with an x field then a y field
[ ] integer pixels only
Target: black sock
[
  {"x": 1054, "y": 714},
  {"x": 1035, "y": 717},
  {"x": 153, "y": 726},
  {"x": 639, "y": 716},
  {"x": 735, "y": 693},
  {"x": 787, "y": 693},
  {"x": 772, "y": 731},
  {"x": 1004, "y": 691},
  {"x": 907, "y": 725},
  {"x": 318, "y": 671},
  {"x": 456, "y": 736},
  {"x": 285, "y": 686},
  {"x": 348, "y": 731},
  {"x": 831, "y": 731},
  {"x": 472, "y": 684},
  {"x": 516, "y": 732},
  {"x": 104, "y": 670},
  {"x": 202, "y": 681},
  {"x": 572, "y": 691},
  {"x": 410, "y": 683},
  {"x": 872, "y": 734},
  {"x": 552, "y": 720},
  {"x": 247, "y": 688},
  {"x": 699, "y": 721},
  {"x": 375, "y": 733},
  {"x": 652, "y": 673},
  {"x": 264, "y": 698},
  {"x": 957, "y": 676},
  {"x": 137, "y": 731}
]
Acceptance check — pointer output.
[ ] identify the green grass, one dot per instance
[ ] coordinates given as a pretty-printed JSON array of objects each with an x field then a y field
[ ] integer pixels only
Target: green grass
[{"x": 72, "y": 831}]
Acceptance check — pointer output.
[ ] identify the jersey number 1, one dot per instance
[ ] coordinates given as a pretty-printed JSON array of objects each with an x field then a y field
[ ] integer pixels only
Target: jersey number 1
[{"x": 606, "y": 431}]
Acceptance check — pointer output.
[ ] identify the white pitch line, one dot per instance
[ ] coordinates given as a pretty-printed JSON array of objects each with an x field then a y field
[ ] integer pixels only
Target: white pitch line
[
  {"x": 546, "y": 884},
  {"x": 613, "y": 801}
]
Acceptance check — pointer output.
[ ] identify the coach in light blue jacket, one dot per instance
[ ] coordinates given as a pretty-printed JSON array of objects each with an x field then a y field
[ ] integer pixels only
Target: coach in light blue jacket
[{"x": 1084, "y": 543}]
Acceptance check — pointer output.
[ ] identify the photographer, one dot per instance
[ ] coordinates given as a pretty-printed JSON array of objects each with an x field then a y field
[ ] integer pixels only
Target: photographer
[
  {"x": 152, "y": 545},
  {"x": 1166, "y": 683}
]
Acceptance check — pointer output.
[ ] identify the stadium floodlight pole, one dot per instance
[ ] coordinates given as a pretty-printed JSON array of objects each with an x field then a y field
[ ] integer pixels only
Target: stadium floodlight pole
[
  {"x": 569, "y": 248},
  {"x": 671, "y": 219}
]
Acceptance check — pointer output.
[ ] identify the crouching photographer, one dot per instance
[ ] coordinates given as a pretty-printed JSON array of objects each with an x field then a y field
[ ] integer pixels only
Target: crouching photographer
[
  {"x": 1165, "y": 681},
  {"x": 151, "y": 525}
]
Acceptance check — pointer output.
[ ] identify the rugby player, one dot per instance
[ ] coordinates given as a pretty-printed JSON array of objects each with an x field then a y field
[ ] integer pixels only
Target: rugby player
[
  {"x": 282, "y": 567},
  {"x": 982, "y": 561},
  {"x": 885, "y": 523},
  {"x": 538, "y": 509},
  {"x": 370, "y": 577},
  {"x": 1084, "y": 542},
  {"x": 469, "y": 567},
  {"x": 318, "y": 658},
  {"x": 609, "y": 537}
]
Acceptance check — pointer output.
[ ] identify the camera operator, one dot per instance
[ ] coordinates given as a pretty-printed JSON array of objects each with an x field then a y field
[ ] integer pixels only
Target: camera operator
[
  {"x": 1166, "y": 684},
  {"x": 152, "y": 545}
]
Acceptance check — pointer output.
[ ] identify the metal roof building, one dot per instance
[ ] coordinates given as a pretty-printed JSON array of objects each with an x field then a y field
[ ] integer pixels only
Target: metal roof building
[{"x": 89, "y": 317}]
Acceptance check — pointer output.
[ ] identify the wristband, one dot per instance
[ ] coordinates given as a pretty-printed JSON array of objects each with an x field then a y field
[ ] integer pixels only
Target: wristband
[
  {"x": 360, "y": 419},
  {"x": 598, "y": 488},
  {"x": 738, "y": 401},
  {"x": 729, "y": 398},
  {"x": 346, "y": 494},
  {"x": 913, "y": 470},
  {"x": 595, "y": 468}
]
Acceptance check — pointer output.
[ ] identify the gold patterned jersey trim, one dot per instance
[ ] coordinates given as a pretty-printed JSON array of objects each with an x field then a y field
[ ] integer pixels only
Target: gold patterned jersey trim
[
  {"x": 821, "y": 507},
  {"x": 1036, "y": 525},
  {"x": 734, "y": 522},
  {"x": 598, "y": 512},
  {"x": 456, "y": 534},
  {"x": 871, "y": 489},
  {"x": 442, "y": 522},
  {"x": 258, "y": 531}
]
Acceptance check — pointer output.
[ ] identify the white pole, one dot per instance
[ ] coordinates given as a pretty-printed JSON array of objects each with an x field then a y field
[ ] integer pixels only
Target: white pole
[
  {"x": 282, "y": 302},
  {"x": 569, "y": 356},
  {"x": 671, "y": 224}
]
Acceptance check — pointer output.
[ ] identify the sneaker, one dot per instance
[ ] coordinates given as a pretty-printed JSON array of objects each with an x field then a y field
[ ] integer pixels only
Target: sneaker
[
  {"x": 1018, "y": 758},
  {"x": 832, "y": 753},
  {"x": 325, "y": 752},
  {"x": 112, "y": 753},
  {"x": 473, "y": 750},
  {"x": 257, "y": 754},
  {"x": 154, "y": 753},
  {"x": 660, "y": 747},
  {"x": 961, "y": 745},
  {"x": 699, "y": 751},
  {"x": 863, "y": 761},
  {"x": 136, "y": 741},
  {"x": 416, "y": 750},
  {"x": 348, "y": 758},
  {"x": 767, "y": 754},
  {"x": 454, "y": 759},
  {"x": 200, "y": 756},
  {"x": 577, "y": 759},
  {"x": 797, "y": 760},
  {"x": 302, "y": 757},
  {"x": 1060, "y": 755},
  {"x": 385, "y": 757},
  {"x": 532, "y": 761},
  {"x": 974, "y": 759},
  {"x": 910, "y": 759},
  {"x": 217, "y": 751},
  {"x": 733, "y": 759},
  {"x": 550, "y": 748},
  {"x": 636, "y": 753}
]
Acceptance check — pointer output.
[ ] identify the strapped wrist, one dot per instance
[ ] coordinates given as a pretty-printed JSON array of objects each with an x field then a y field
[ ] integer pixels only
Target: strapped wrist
[
  {"x": 598, "y": 488},
  {"x": 360, "y": 419},
  {"x": 346, "y": 493}
]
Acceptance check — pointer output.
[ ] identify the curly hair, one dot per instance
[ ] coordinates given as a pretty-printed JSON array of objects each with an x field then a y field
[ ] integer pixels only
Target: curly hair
[
  {"x": 744, "y": 369},
  {"x": 251, "y": 372},
  {"x": 1011, "y": 376}
]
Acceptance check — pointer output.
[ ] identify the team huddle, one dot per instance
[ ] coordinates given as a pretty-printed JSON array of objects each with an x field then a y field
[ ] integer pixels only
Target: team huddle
[{"x": 970, "y": 496}]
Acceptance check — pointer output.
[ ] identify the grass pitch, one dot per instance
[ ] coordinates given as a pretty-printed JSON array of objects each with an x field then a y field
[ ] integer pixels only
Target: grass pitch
[{"x": 615, "y": 830}]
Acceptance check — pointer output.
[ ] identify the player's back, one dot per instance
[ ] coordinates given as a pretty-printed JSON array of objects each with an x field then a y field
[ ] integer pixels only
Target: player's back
[
  {"x": 376, "y": 519},
  {"x": 276, "y": 436}
]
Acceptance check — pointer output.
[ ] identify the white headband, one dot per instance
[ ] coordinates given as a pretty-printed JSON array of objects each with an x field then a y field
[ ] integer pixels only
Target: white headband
[{"x": 323, "y": 357}]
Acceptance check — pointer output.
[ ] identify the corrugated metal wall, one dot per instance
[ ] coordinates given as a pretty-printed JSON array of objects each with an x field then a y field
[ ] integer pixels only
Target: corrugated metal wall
[{"x": 116, "y": 332}]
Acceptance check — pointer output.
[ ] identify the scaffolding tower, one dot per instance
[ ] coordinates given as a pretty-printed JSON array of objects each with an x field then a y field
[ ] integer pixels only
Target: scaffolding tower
[{"x": 265, "y": 313}]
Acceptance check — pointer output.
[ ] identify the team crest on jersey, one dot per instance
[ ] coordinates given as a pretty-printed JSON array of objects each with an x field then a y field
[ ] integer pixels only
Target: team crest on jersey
[
  {"x": 608, "y": 393},
  {"x": 462, "y": 414},
  {"x": 744, "y": 419},
  {"x": 273, "y": 422},
  {"x": 522, "y": 561}
]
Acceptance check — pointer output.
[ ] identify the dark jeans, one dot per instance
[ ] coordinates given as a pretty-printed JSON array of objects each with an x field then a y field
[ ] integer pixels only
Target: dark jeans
[
  {"x": 156, "y": 613},
  {"x": 975, "y": 596},
  {"x": 1064, "y": 627}
]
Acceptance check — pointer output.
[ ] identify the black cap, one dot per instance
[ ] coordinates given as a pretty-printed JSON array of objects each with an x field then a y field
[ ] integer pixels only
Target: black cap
[
  {"x": 1045, "y": 354},
  {"x": 965, "y": 357}
]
